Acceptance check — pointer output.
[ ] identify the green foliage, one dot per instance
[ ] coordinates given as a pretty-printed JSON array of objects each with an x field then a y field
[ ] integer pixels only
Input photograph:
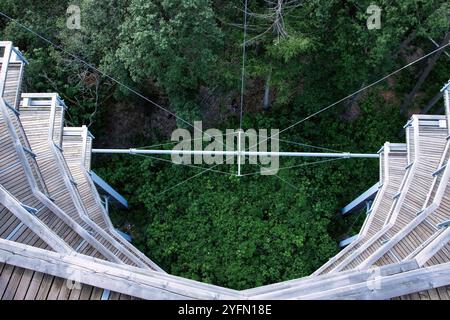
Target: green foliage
[
  {"x": 255, "y": 230},
  {"x": 214, "y": 232},
  {"x": 173, "y": 42},
  {"x": 290, "y": 47}
]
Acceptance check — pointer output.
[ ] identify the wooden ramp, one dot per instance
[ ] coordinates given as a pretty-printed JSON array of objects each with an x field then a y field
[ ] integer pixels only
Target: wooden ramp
[
  {"x": 77, "y": 146},
  {"x": 58, "y": 243},
  {"x": 42, "y": 118},
  {"x": 429, "y": 138},
  {"x": 393, "y": 160}
]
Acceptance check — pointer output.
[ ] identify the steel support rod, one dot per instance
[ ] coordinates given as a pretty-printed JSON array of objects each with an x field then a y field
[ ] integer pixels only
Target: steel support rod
[{"x": 237, "y": 153}]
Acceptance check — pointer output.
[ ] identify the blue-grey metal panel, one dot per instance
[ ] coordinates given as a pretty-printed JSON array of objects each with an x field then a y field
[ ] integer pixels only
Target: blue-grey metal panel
[
  {"x": 347, "y": 241},
  {"x": 106, "y": 188},
  {"x": 360, "y": 202},
  {"x": 446, "y": 86},
  {"x": 444, "y": 224},
  {"x": 124, "y": 235},
  {"x": 105, "y": 295}
]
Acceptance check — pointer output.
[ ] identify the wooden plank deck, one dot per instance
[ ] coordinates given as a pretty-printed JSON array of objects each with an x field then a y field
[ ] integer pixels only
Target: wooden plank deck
[
  {"x": 24, "y": 284},
  {"x": 77, "y": 146},
  {"x": 393, "y": 160},
  {"x": 45, "y": 241},
  {"x": 17, "y": 183},
  {"x": 42, "y": 120},
  {"x": 428, "y": 140}
]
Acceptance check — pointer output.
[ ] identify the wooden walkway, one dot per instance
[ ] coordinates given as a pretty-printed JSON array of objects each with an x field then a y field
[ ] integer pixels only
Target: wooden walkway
[
  {"x": 77, "y": 146},
  {"x": 42, "y": 119},
  {"x": 393, "y": 161},
  {"x": 58, "y": 243},
  {"x": 427, "y": 139}
]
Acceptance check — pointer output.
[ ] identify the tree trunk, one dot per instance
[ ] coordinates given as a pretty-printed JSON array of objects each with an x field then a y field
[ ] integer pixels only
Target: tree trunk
[
  {"x": 426, "y": 72},
  {"x": 432, "y": 102},
  {"x": 349, "y": 104},
  {"x": 427, "y": 108},
  {"x": 405, "y": 43},
  {"x": 266, "y": 101}
]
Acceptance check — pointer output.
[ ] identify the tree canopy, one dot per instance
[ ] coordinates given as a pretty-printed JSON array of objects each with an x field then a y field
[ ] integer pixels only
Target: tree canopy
[{"x": 187, "y": 56}]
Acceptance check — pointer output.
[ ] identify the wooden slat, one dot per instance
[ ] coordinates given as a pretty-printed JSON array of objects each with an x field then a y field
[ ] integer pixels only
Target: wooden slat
[
  {"x": 76, "y": 148},
  {"x": 139, "y": 283}
]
